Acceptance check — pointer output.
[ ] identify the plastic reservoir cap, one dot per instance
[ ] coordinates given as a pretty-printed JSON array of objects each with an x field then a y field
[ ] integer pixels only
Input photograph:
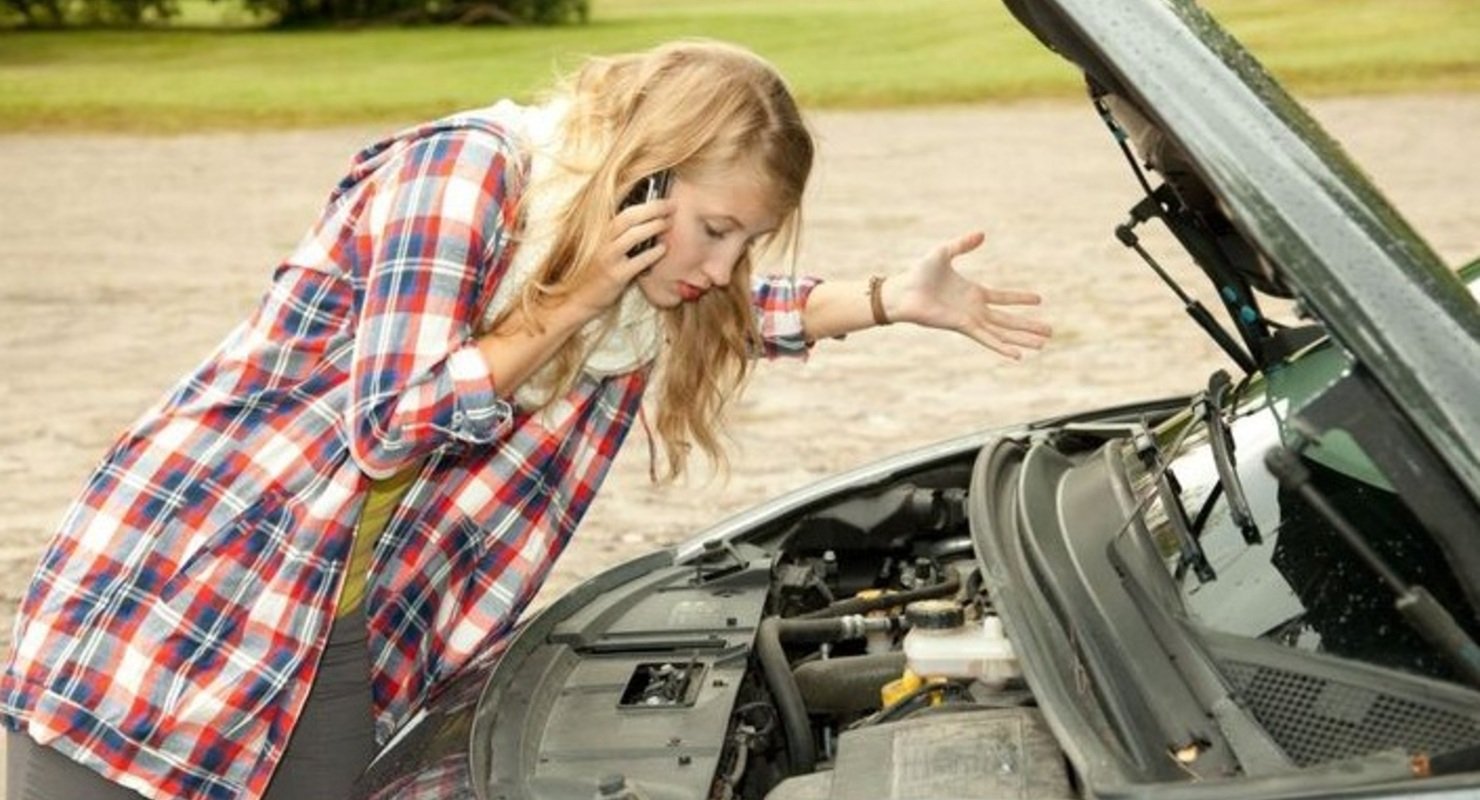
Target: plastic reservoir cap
[{"x": 934, "y": 615}]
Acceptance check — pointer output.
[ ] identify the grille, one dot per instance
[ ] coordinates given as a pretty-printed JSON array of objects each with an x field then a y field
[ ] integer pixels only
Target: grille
[{"x": 1316, "y": 720}]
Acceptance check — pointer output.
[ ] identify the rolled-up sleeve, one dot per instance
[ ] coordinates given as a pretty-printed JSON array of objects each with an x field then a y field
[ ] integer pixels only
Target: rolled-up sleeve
[
  {"x": 778, "y": 301},
  {"x": 430, "y": 228}
]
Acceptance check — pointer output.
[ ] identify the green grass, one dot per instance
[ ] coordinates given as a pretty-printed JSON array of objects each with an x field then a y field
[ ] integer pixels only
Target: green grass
[{"x": 837, "y": 53}]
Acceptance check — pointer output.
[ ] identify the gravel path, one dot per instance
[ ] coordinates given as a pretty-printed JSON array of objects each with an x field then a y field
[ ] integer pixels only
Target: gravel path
[{"x": 125, "y": 259}]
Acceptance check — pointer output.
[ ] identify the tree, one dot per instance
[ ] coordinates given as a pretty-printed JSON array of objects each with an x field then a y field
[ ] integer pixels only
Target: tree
[
  {"x": 300, "y": 13},
  {"x": 57, "y": 13},
  {"x": 306, "y": 13}
]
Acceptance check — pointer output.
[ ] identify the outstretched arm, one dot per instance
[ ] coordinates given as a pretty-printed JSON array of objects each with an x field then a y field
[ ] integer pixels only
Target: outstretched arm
[{"x": 932, "y": 294}]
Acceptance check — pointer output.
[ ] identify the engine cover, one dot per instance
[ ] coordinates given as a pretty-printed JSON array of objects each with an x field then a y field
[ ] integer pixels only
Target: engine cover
[{"x": 995, "y": 754}]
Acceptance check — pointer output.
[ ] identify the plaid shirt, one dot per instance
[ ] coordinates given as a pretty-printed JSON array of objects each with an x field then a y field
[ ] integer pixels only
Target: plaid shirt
[{"x": 171, "y": 633}]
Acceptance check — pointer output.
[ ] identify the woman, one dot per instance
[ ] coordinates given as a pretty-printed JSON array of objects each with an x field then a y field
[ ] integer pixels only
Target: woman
[{"x": 370, "y": 478}]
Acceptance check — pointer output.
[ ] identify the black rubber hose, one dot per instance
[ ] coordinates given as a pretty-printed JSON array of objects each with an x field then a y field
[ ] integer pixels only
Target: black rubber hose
[
  {"x": 857, "y": 605},
  {"x": 815, "y": 627},
  {"x": 849, "y": 684},
  {"x": 809, "y": 631},
  {"x": 783, "y": 683},
  {"x": 777, "y": 671}
]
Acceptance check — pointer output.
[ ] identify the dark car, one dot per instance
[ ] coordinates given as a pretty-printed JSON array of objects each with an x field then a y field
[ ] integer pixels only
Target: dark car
[{"x": 1268, "y": 588}]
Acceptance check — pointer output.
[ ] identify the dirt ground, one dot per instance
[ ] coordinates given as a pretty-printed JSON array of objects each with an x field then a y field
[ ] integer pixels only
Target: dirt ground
[{"x": 125, "y": 259}]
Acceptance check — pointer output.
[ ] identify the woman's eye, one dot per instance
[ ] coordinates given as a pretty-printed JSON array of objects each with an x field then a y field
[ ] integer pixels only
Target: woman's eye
[{"x": 714, "y": 234}]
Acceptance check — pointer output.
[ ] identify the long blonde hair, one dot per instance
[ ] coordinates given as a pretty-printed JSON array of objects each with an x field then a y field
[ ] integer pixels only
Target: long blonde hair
[{"x": 696, "y": 108}]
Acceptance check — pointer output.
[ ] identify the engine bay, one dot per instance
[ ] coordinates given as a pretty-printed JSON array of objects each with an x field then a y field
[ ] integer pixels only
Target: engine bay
[{"x": 848, "y": 650}]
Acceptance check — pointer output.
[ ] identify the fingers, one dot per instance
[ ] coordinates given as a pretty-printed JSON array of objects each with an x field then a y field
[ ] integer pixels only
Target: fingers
[
  {"x": 1006, "y": 333},
  {"x": 987, "y": 339},
  {"x": 1015, "y": 322},
  {"x": 643, "y": 212},
  {"x": 636, "y": 265},
  {"x": 640, "y": 233},
  {"x": 975, "y": 314},
  {"x": 1032, "y": 341},
  {"x": 1012, "y": 297},
  {"x": 1013, "y": 336},
  {"x": 1005, "y": 341},
  {"x": 966, "y": 244},
  {"x": 948, "y": 251},
  {"x": 638, "y": 224}
]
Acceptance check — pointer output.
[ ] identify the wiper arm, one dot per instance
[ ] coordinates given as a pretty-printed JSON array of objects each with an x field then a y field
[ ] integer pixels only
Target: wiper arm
[
  {"x": 1191, "y": 552},
  {"x": 1432, "y": 621},
  {"x": 1158, "y": 466},
  {"x": 1233, "y": 488}
]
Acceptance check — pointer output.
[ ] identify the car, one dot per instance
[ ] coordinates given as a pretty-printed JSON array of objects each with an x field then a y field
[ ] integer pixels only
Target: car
[{"x": 1266, "y": 588}]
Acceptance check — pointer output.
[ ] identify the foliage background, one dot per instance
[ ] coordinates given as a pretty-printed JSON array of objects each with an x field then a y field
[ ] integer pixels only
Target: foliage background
[{"x": 216, "y": 67}]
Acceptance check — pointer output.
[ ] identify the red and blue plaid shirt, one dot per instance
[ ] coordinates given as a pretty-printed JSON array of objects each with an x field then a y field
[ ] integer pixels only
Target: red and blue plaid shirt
[{"x": 172, "y": 630}]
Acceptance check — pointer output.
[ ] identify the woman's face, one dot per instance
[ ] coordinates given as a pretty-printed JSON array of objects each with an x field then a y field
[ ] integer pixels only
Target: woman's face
[{"x": 716, "y": 218}]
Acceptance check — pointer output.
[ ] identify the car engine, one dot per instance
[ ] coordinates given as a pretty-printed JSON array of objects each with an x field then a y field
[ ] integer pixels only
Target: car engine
[
  {"x": 883, "y": 668},
  {"x": 847, "y": 650}
]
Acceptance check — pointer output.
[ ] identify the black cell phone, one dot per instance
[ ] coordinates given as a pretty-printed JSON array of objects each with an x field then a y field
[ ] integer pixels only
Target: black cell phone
[{"x": 652, "y": 187}]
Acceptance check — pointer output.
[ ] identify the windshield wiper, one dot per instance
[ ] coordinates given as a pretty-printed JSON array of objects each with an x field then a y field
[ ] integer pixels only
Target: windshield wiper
[
  {"x": 1158, "y": 465},
  {"x": 1170, "y": 494},
  {"x": 1228, "y": 479},
  {"x": 1418, "y": 607}
]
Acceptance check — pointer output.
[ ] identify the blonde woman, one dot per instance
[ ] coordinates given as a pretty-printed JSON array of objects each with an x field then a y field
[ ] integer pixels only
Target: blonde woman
[{"x": 370, "y": 478}]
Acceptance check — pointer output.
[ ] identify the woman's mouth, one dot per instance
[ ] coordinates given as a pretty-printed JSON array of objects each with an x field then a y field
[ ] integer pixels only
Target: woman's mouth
[{"x": 689, "y": 292}]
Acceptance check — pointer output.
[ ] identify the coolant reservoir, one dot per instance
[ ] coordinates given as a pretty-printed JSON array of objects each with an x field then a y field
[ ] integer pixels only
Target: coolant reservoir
[{"x": 941, "y": 644}]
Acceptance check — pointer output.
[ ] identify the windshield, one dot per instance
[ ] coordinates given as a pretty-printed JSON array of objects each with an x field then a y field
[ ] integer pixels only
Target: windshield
[{"x": 1301, "y": 585}]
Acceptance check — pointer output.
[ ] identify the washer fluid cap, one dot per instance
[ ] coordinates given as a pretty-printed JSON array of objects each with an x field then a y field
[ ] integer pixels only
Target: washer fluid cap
[{"x": 934, "y": 615}]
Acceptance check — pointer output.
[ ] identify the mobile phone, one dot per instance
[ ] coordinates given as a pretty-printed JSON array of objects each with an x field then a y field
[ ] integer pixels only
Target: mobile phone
[{"x": 652, "y": 187}]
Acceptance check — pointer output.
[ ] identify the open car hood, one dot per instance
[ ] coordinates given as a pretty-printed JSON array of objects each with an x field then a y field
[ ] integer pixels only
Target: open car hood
[{"x": 1313, "y": 219}]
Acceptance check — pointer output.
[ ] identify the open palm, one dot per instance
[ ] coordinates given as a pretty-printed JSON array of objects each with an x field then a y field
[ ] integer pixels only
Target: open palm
[{"x": 934, "y": 294}]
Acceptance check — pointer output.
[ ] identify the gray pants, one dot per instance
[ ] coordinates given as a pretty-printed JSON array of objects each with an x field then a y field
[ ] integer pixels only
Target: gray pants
[{"x": 334, "y": 740}]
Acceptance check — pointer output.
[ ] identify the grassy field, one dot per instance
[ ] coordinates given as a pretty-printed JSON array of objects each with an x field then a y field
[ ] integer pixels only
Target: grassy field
[{"x": 221, "y": 73}]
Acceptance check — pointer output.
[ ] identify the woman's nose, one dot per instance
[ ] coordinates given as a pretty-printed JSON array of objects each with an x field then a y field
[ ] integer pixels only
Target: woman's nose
[{"x": 718, "y": 269}]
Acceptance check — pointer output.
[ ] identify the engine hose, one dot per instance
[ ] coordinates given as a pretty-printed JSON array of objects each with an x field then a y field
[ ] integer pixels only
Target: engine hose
[
  {"x": 847, "y": 685},
  {"x": 783, "y": 684},
  {"x": 863, "y": 605},
  {"x": 799, "y": 745},
  {"x": 959, "y": 546}
]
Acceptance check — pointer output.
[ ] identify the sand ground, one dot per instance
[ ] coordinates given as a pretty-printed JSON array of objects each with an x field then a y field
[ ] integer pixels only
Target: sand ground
[{"x": 125, "y": 259}]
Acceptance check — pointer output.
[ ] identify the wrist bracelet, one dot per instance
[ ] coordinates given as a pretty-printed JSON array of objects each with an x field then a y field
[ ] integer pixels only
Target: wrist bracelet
[{"x": 876, "y": 299}]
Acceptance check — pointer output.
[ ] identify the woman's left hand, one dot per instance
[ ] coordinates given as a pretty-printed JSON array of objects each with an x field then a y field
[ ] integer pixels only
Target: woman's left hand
[{"x": 932, "y": 293}]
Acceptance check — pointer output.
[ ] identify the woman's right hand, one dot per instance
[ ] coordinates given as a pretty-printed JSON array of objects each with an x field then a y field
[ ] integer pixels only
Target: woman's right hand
[
  {"x": 513, "y": 350},
  {"x": 614, "y": 270}
]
